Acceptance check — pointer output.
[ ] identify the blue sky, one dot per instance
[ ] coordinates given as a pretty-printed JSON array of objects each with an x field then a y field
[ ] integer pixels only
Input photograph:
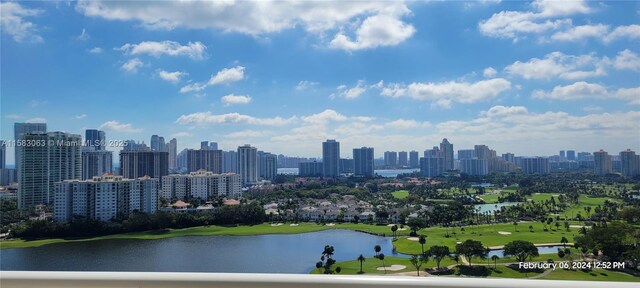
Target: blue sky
[{"x": 530, "y": 78}]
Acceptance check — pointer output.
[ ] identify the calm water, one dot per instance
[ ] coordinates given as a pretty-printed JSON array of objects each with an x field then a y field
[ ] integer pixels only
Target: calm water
[
  {"x": 541, "y": 250},
  {"x": 292, "y": 253},
  {"x": 493, "y": 207},
  {"x": 390, "y": 173}
]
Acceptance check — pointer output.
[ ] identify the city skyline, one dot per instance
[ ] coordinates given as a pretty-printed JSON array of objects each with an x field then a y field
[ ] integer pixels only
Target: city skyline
[{"x": 396, "y": 76}]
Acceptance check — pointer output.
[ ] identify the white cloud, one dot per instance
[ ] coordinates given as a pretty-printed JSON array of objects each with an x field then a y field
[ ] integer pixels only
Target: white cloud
[
  {"x": 584, "y": 90},
  {"x": 173, "y": 77},
  {"x": 227, "y": 75},
  {"x": 489, "y": 72},
  {"x": 500, "y": 111},
  {"x": 116, "y": 126},
  {"x": 81, "y": 116},
  {"x": 132, "y": 65},
  {"x": 375, "y": 31},
  {"x": 84, "y": 36},
  {"x": 324, "y": 117},
  {"x": 193, "y": 87},
  {"x": 627, "y": 60},
  {"x": 36, "y": 120},
  {"x": 374, "y": 23},
  {"x": 95, "y": 50},
  {"x": 194, "y": 50},
  {"x": 232, "y": 99},
  {"x": 581, "y": 32},
  {"x": 444, "y": 93},
  {"x": 592, "y": 108},
  {"x": 630, "y": 32},
  {"x": 353, "y": 92},
  {"x": 407, "y": 124},
  {"x": 208, "y": 118},
  {"x": 181, "y": 134},
  {"x": 304, "y": 85},
  {"x": 13, "y": 23},
  {"x": 247, "y": 134},
  {"x": 515, "y": 24},
  {"x": 556, "y": 64}
]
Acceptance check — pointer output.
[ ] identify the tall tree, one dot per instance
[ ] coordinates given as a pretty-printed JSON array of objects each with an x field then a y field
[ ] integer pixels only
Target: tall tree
[
  {"x": 361, "y": 259},
  {"x": 521, "y": 250},
  {"x": 438, "y": 253},
  {"x": 471, "y": 248},
  {"x": 422, "y": 240},
  {"x": 417, "y": 261}
]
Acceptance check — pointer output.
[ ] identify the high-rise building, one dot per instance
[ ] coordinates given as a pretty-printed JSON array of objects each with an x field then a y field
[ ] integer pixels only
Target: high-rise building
[
  {"x": 403, "y": 159},
  {"x": 571, "y": 155},
  {"x": 94, "y": 138},
  {"x": 3, "y": 154},
  {"x": 204, "y": 145},
  {"x": 466, "y": 154},
  {"x": 230, "y": 161},
  {"x": 136, "y": 164},
  {"x": 201, "y": 184},
  {"x": 414, "y": 159},
  {"x": 431, "y": 166},
  {"x": 509, "y": 157},
  {"x": 346, "y": 166},
  {"x": 602, "y": 165},
  {"x": 476, "y": 167},
  {"x": 52, "y": 157},
  {"x": 172, "y": 148},
  {"x": 95, "y": 162},
  {"x": 331, "y": 158},
  {"x": 363, "y": 162},
  {"x": 563, "y": 155},
  {"x": 390, "y": 159},
  {"x": 446, "y": 149},
  {"x": 158, "y": 144},
  {"x": 213, "y": 145},
  {"x": 181, "y": 159},
  {"x": 19, "y": 129},
  {"x": 248, "y": 164},
  {"x": 270, "y": 166},
  {"x": 209, "y": 160},
  {"x": 630, "y": 163},
  {"x": 310, "y": 169},
  {"x": 482, "y": 152},
  {"x": 104, "y": 197},
  {"x": 535, "y": 165}
]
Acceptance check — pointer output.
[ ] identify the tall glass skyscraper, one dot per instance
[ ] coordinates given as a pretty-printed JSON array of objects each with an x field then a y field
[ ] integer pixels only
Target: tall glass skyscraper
[
  {"x": 363, "y": 162},
  {"x": 331, "y": 158}
]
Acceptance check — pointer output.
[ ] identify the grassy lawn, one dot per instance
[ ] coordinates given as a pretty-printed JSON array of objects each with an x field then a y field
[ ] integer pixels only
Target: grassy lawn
[
  {"x": 401, "y": 194},
  {"x": 541, "y": 197},
  {"x": 491, "y": 198},
  {"x": 487, "y": 234},
  {"x": 594, "y": 275},
  {"x": 209, "y": 231},
  {"x": 584, "y": 201}
]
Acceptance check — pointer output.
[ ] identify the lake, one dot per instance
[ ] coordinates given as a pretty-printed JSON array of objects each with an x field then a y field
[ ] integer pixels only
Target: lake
[
  {"x": 289, "y": 253},
  {"x": 492, "y": 208}
]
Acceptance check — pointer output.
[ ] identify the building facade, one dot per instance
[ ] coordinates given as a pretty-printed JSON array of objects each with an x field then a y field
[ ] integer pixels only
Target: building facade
[
  {"x": 136, "y": 164},
  {"x": 331, "y": 158},
  {"x": 602, "y": 165},
  {"x": 363, "y": 162},
  {"x": 248, "y": 164},
  {"x": 535, "y": 165},
  {"x": 95, "y": 162},
  {"x": 201, "y": 184}
]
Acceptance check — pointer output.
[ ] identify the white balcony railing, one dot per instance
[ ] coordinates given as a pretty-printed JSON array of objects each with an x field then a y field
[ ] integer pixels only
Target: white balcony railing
[{"x": 11, "y": 279}]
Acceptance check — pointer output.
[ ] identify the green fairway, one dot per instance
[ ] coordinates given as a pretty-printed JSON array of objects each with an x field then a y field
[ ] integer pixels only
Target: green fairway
[
  {"x": 487, "y": 234},
  {"x": 401, "y": 194},
  {"x": 210, "y": 231},
  {"x": 584, "y": 201},
  {"x": 491, "y": 198},
  {"x": 370, "y": 265},
  {"x": 594, "y": 275}
]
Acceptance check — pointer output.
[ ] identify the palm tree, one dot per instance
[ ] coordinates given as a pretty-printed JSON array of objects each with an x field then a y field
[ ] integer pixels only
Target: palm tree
[
  {"x": 377, "y": 248},
  {"x": 361, "y": 259},
  {"x": 564, "y": 242},
  {"x": 394, "y": 228},
  {"x": 422, "y": 240},
  {"x": 495, "y": 259},
  {"x": 381, "y": 257}
]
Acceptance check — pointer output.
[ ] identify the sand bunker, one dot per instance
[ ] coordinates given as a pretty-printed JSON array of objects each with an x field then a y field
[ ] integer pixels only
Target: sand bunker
[
  {"x": 276, "y": 224},
  {"x": 394, "y": 267},
  {"x": 331, "y": 224},
  {"x": 504, "y": 233},
  {"x": 413, "y": 239},
  {"x": 294, "y": 224},
  {"x": 578, "y": 226},
  {"x": 402, "y": 229}
]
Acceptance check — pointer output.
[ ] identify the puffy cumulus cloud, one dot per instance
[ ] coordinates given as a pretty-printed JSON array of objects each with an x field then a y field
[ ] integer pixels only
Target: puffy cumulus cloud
[
  {"x": 557, "y": 64},
  {"x": 489, "y": 72},
  {"x": 627, "y": 60},
  {"x": 232, "y": 99},
  {"x": 305, "y": 84},
  {"x": 325, "y": 116},
  {"x": 498, "y": 111},
  {"x": 375, "y": 31},
  {"x": 13, "y": 23},
  {"x": 208, "y": 118},
  {"x": 132, "y": 65},
  {"x": 227, "y": 75},
  {"x": 581, "y": 32},
  {"x": 407, "y": 124},
  {"x": 350, "y": 92},
  {"x": 584, "y": 90},
  {"x": 193, "y": 50},
  {"x": 173, "y": 77},
  {"x": 382, "y": 24},
  {"x": 631, "y": 32},
  {"x": 224, "y": 76},
  {"x": 116, "y": 126},
  {"x": 544, "y": 17},
  {"x": 444, "y": 93}
]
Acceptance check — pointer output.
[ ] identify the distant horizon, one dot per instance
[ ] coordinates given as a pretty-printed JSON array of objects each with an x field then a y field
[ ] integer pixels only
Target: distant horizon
[{"x": 526, "y": 77}]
